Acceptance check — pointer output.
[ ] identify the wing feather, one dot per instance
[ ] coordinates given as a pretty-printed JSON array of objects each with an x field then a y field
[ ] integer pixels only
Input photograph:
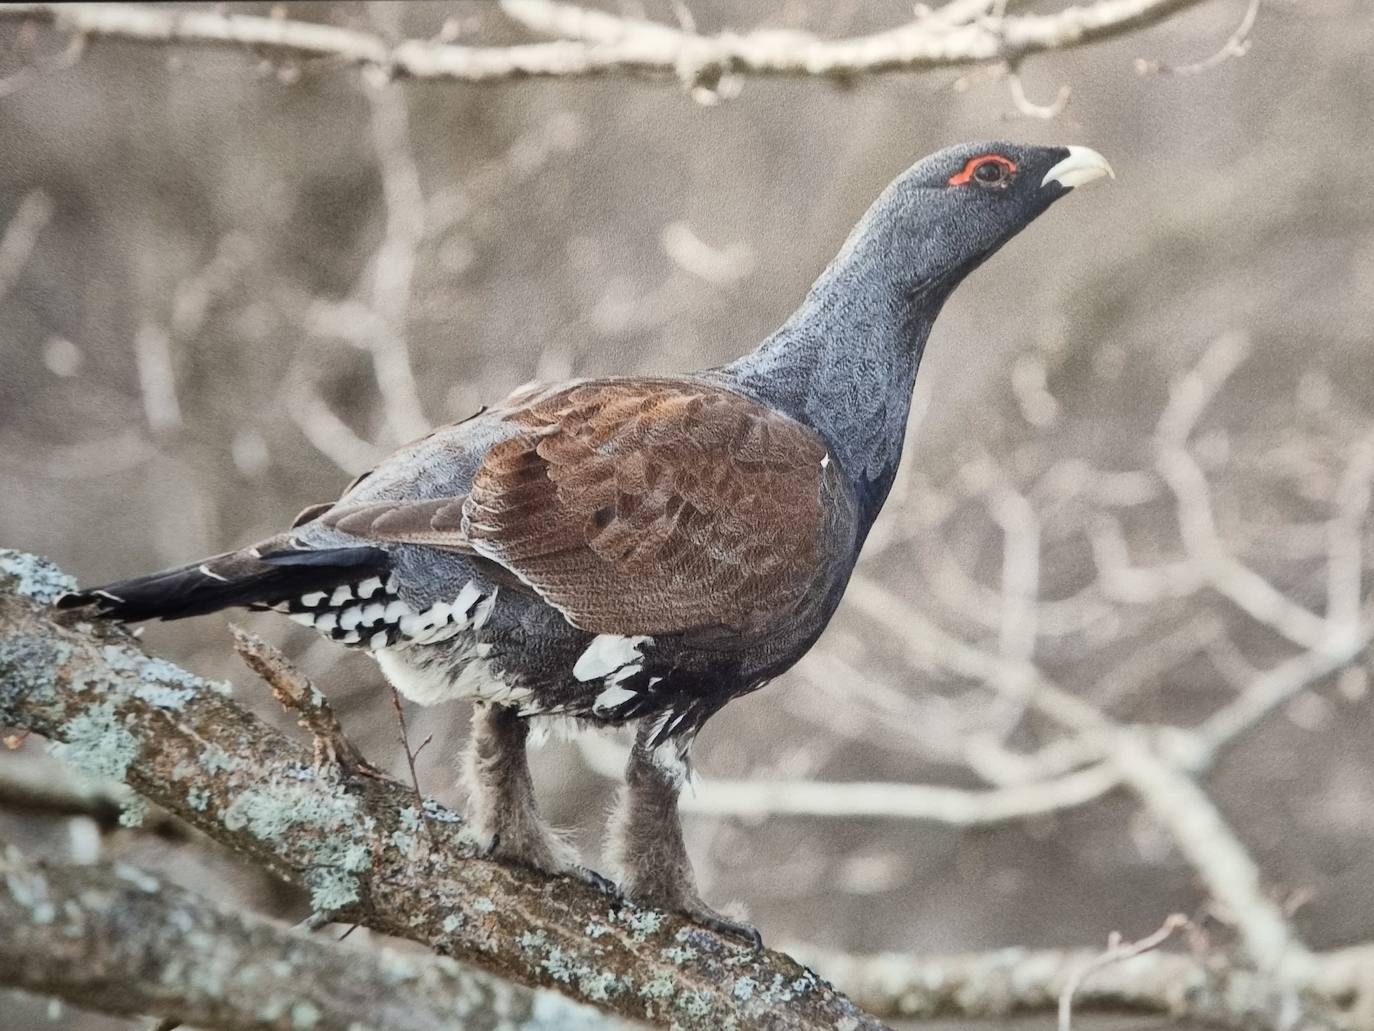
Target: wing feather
[{"x": 639, "y": 506}]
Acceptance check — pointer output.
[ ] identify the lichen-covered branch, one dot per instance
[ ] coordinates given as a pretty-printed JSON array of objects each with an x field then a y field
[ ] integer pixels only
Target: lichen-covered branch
[
  {"x": 359, "y": 844},
  {"x": 117, "y": 939},
  {"x": 598, "y": 43}
]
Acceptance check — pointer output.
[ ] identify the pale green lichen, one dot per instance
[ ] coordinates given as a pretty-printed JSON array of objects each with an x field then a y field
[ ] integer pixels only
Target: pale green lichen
[
  {"x": 642, "y": 922},
  {"x": 678, "y": 954},
  {"x": 660, "y": 986},
  {"x": 330, "y": 889},
  {"x": 96, "y": 742},
  {"x": 28, "y": 670},
  {"x": 270, "y": 811},
  {"x": 744, "y": 989},
  {"x": 452, "y": 923},
  {"x": 155, "y": 681},
  {"x": 133, "y": 812},
  {"x": 198, "y": 799},
  {"x": 34, "y": 576},
  {"x": 214, "y": 759},
  {"x": 696, "y": 1005},
  {"x": 559, "y": 966},
  {"x": 304, "y": 1016},
  {"x": 600, "y": 985},
  {"x": 483, "y": 905},
  {"x": 406, "y": 837},
  {"x": 434, "y": 811},
  {"x": 565, "y": 967},
  {"x": 594, "y": 930}
]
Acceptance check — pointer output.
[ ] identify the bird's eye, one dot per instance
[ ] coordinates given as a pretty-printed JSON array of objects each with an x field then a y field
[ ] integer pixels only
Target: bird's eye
[{"x": 989, "y": 170}]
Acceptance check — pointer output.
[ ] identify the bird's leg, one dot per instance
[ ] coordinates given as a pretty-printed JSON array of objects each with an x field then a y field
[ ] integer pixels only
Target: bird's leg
[
  {"x": 501, "y": 794},
  {"x": 646, "y": 837}
]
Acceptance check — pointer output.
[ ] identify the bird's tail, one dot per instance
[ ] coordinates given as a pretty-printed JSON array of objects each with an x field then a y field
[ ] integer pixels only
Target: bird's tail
[{"x": 253, "y": 577}]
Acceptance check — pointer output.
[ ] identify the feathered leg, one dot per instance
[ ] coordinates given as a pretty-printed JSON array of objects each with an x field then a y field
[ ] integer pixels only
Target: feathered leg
[
  {"x": 646, "y": 837},
  {"x": 501, "y": 798}
]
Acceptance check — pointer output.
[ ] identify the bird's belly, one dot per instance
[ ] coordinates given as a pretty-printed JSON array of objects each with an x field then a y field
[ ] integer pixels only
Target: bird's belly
[{"x": 430, "y": 674}]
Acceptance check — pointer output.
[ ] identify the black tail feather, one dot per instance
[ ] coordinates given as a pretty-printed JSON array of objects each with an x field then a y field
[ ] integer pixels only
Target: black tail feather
[{"x": 237, "y": 578}]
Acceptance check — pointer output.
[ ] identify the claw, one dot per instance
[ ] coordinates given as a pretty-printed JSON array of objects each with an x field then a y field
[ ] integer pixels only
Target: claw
[
  {"x": 729, "y": 929},
  {"x": 602, "y": 884}
]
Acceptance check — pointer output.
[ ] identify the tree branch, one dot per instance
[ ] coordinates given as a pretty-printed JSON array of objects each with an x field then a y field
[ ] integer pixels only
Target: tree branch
[
  {"x": 599, "y": 43},
  {"x": 358, "y": 843},
  {"x": 119, "y": 940}
]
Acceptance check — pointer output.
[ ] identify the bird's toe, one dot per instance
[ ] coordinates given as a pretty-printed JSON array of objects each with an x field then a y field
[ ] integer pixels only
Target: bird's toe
[
  {"x": 702, "y": 914},
  {"x": 602, "y": 884}
]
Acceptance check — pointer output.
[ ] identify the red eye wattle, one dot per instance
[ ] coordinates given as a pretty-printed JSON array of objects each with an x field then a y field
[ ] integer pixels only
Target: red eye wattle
[{"x": 985, "y": 170}]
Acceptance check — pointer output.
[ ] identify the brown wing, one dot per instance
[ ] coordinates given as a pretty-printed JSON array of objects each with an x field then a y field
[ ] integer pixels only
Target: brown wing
[{"x": 641, "y": 507}]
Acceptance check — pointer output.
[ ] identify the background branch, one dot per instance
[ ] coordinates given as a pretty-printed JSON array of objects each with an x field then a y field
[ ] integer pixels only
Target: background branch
[
  {"x": 118, "y": 939},
  {"x": 598, "y": 43},
  {"x": 1003, "y": 982}
]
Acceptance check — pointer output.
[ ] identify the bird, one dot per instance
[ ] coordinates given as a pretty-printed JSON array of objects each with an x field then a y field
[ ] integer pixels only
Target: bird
[{"x": 637, "y": 550}]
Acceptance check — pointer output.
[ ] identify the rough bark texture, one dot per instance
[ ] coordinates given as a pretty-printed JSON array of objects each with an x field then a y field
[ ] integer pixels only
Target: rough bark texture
[
  {"x": 361, "y": 845},
  {"x": 117, "y": 939}
]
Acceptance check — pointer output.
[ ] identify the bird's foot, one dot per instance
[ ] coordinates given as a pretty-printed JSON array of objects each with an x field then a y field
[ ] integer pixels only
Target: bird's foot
[
  {"x": 551, "y": 856},
  {"x": 537, "y": 848},
  {"x": 675, "y": 899}
]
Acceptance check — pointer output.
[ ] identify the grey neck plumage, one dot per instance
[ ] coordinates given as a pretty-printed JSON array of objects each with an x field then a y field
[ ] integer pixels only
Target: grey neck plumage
[{"x": 845, "y": 363}]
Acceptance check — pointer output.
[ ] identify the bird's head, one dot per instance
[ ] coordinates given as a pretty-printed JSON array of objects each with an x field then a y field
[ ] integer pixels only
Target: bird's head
[{"x": 949, "y": 212}]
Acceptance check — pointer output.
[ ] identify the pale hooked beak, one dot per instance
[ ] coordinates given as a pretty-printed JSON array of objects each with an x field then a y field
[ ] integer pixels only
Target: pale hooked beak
[{"x": 1083, "y": 165}]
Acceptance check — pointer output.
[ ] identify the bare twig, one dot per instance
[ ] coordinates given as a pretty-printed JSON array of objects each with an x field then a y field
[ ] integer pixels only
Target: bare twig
[
  {"x": 753, "y": 799},
  {"x": 404, "y": 735},
  {"x": 157, "y": 378},
  {"x": 1237, "y": 45},
  {"x": 1116, "y": 951},
  {"x": 393, "y": 266},
  {"x": 329, "y": 434},
  {"x": 44, "y": 65},
  {"x": 1171, "y": 795},
  {"x": 21, "y": 235},
  {"x": 1030, "y": 108},
  {"x": 294, "y": 691}
]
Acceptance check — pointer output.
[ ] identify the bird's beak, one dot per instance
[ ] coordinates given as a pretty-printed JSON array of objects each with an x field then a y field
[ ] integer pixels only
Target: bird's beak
[{"x": 1081, "y": 166}]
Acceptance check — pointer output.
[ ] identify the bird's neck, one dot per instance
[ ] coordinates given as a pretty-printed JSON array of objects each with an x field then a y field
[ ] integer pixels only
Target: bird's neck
[{"x": 845, "y": 363}]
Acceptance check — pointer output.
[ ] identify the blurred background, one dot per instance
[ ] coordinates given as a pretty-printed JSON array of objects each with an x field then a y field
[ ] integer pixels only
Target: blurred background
[{"x": 228, "y": 285}]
